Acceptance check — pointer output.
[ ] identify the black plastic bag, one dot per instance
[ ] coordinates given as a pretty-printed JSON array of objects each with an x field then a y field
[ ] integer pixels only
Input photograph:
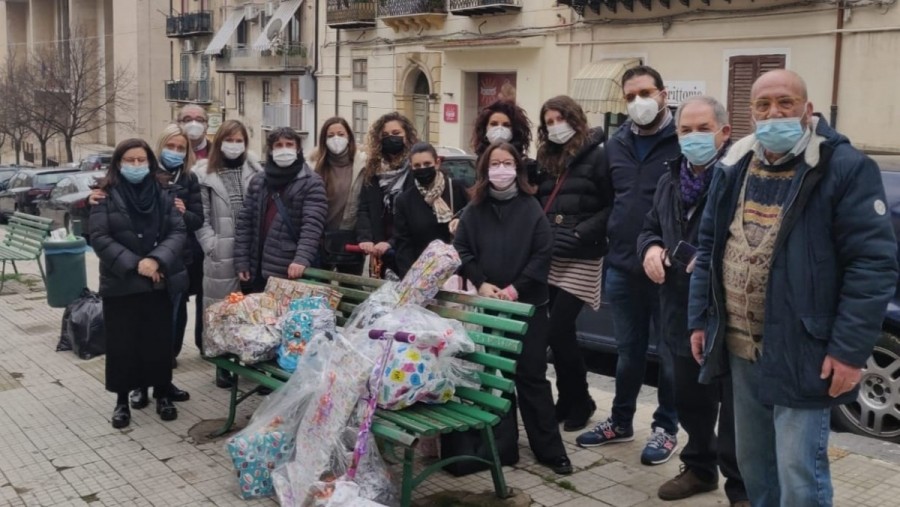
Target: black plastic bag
[
  {"x": 65, "y": 344},
  {"x": 470, "y": 443},
  {"x": 83, "y": 326}
]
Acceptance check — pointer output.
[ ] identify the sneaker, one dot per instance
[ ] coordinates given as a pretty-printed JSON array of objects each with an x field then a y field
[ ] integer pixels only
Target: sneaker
[
  {"x": 686, "y": 484},
  {"x": 660, "y": 447},
  {"x": 605, "y": 433}
]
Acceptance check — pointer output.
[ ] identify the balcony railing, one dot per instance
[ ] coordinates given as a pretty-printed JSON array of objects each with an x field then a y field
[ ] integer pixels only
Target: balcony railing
[
  {"x": 283, "y": 115},
  {"x": 350, "y": 13},
  {"x": 189, "y": 91},
  {"x": 292, "y": 58},
  {"x": 190, "y": 24},
  {"x": 412, "y": 14},
  {"x": 482, "y": 7}
]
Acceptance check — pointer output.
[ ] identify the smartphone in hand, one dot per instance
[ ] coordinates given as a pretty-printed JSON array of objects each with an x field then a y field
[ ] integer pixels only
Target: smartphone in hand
[{"x": 683, "y": 254}]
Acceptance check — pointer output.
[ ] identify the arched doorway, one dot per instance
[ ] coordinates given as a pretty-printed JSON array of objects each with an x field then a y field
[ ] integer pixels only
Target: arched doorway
[{"x": 420, "y": 90}]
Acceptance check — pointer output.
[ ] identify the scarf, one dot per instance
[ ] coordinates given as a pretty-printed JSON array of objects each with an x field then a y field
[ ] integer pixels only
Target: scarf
[
  {"x": 142, "y": 201},
  {"x": 233, "y": 181},
  {"x": 233, "y": 163},
  {"x": 280, "y": 176},
  {"x": 391, "y": 182},
  {"x": 694, "y": 186},
  {"x": 504, "y": 195},
  {"x": 434, "y": 198}
]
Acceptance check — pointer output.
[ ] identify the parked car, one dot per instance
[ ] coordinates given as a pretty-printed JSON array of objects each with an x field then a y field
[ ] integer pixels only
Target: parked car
[
  {"x": 26, "y": 185},
  {"x": 96, "y": 162},
  {"x": 6, "y": 173},
  {"x": 876, "y": 411},
  {"x": 458, "y": 164},
  {"x": 68, "y": 201}
]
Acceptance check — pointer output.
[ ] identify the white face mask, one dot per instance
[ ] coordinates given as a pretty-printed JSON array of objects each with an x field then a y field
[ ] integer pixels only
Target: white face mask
[
  {"x": 560, "y": 133},
  {"x": 232, "y": 150},
  {"x": 194, "y": 130},
  {"x": 284, "y": 157},
  {"x": 499, "y": 133},
  {"x": 643, "y": 110},
  {"x": 337, "y": 144}
]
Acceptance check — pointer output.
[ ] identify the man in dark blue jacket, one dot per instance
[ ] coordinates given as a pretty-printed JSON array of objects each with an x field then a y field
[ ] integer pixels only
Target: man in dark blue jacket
[
  {"x": 637, "y": 156},
  {"x": 796, "y": 265}
]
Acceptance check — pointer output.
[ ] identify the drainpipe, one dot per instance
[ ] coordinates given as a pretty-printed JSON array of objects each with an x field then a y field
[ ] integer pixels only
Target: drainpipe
[
  {"x": 337, "y": 68},
  {"x": 315, "y": 79},
  {"x": 836, "y": 81}
]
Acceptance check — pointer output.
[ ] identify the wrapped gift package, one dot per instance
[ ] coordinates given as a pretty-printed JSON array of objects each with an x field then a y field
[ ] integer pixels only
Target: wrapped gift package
[
  {"x": 242, "y": 325},
  {"x": 285, "y": 291},
  {"x": 306, "y": 318},
  {"x": 428, "y": 274},
  {"x": 256, "y": 454}
]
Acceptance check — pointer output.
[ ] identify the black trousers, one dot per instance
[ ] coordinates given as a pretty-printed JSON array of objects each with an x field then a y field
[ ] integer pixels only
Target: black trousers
[
  {"x": 699, "y": 407},
  {"x": 571, "y": 373},
  {"x": 138, "y": 341},
  {"x": 535, "y": 397}
]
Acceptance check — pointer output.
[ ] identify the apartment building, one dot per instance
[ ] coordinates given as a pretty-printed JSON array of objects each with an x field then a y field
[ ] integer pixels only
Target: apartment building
[
  {"x": 130, "y": 35},
  {"x": 243, "y": 60}
]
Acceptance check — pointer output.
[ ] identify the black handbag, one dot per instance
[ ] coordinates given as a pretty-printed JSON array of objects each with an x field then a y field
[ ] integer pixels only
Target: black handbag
[{"x": 470, "y": 443}]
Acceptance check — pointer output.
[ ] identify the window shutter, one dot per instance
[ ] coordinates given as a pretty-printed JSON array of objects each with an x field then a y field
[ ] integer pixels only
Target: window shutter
[{"x": 742, "y": 72}]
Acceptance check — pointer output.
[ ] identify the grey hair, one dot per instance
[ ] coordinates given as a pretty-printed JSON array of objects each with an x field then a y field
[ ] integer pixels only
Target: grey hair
[
  {"x": 719, "y": 110},
  {"x": 194, "y": 107}
]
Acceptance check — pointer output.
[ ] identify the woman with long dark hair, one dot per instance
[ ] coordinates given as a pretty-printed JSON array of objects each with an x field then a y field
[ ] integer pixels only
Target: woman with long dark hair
[
  {"x": 505, "y": 122},
  {"x": 504, "y": 243},
  {"x": 386, "y": 176},
  {"x": 576, "y": 194},
  {"x": 138, "y": 235}
]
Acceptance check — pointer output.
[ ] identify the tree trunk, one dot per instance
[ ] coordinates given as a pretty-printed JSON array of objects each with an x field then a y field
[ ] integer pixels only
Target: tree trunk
[
  {"x": 69, "y": 156},
  {"x": 43, "y": 143},
  {"x": 17, "y": 145}
]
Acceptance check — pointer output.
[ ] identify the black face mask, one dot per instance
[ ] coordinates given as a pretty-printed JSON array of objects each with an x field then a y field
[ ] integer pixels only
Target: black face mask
[
  {"x": 392, "y": 145},
  {"x": 425, "y": 175}
]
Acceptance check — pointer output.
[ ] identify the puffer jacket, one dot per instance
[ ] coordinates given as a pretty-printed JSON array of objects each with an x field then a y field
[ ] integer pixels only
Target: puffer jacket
[
  {"x": 216, "y": 235},
  {"x": 307, "y": 205},
  {"x": 187, "y": 188},
  {"x": 115, "y": 242},
  {"x": 833, "y": 270},
  {"x": 585, "y": 199}
]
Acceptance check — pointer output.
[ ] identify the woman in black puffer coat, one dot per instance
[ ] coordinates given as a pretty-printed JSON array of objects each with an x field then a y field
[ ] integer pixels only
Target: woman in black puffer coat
[
  {"x": 280, "y": 226},
  {"x": 575, "y": 192},
  {"x": 139, "y": 237}
]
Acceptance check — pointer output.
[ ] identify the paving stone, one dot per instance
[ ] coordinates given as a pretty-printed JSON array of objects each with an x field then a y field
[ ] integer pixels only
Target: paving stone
[{"x": 620, "y": 496}]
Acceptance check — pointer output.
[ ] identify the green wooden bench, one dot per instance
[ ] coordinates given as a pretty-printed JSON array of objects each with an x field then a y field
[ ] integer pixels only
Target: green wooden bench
[
  {"x": 489, "y": 320},
  {"x": 25, "y": 235}
]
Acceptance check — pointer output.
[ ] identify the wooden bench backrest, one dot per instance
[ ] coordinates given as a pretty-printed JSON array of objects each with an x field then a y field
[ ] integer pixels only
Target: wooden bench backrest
[
  {"x": 489, "y": 322},
  {"x": 26, "y": 233}
]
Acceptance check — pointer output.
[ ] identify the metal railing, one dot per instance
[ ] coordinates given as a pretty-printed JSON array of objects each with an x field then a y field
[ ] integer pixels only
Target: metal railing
[
  {"x": 350, "y": 11},
  {"x": 282, "y": 115},
  {"x": 192, "y": 23},
  {"x": 453, "y": 5},
  {"x": 294, "y": 56},
  {"x": 411, "y": 7},
  {"x": 189, "y": 91}
]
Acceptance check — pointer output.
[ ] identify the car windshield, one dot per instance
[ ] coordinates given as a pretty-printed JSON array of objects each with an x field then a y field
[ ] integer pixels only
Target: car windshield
[
  {"x": 48, "y": 179},
  {"x": 460, "y": 169},
  {"x": 84, "y": 182},
  {"x": 6, "y": 174}
]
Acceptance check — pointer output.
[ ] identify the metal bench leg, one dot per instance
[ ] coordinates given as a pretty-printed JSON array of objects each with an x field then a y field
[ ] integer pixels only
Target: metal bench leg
[
  {"x": 15, "y": 269},
  {"x": 406, "y": 487},
  {"x": 232, "y": 411},
  {"x": 496, "y": 467},
  {"x": 41, "y": 268},
  {"x": 3, "y": 276}
]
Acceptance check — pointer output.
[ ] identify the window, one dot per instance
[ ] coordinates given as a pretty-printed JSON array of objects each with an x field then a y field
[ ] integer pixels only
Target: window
[
  {"x": 360, "y": 74},
  {"x": 242, "y": 29},
  {"x": 360, "y": 119},
  {"x": 241, "y": 91},
  {"x": 185, "y": 66},
  {"x": 742, "y": 72},
  {"x": 266, "y": 91}
]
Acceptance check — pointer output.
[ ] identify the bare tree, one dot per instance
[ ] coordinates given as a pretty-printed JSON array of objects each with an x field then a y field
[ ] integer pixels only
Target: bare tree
[
  {"x": 41, "y": 113},
  {"x": 13, "y": 108},
  {"x": 83, "y": 92}
]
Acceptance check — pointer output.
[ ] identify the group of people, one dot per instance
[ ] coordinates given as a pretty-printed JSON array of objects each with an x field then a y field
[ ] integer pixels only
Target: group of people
[{"x": 683, "y": 232}]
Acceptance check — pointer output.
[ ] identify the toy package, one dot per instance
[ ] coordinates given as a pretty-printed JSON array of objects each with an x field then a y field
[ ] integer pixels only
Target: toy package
[
  {"x": 284, "y": 291},
  {"x": 256, "y": 453},
  {"x": 428, "y": 274},
  {"x": 242, "y": 325},
  {"x": 306, "y": 317}
]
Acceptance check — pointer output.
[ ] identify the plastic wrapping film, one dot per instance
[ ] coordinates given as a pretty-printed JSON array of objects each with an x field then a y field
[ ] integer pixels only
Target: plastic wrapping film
[
  {"x": 306, "y": 318},
  {"x": 242, "y": 325}
]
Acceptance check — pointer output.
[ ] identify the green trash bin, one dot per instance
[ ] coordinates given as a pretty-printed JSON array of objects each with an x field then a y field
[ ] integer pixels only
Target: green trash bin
[{"x": 66, "y": 272}]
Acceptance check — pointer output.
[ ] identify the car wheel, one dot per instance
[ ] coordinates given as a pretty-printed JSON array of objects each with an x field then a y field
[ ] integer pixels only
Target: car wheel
[{"x": 876, "y": 411}]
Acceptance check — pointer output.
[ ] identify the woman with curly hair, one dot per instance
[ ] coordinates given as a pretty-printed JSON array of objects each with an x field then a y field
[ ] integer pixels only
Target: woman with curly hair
[
  {"x": 385, "y": 177},
  {"x": 502, "y": 121},
  {"x": 576, "y": 194}
]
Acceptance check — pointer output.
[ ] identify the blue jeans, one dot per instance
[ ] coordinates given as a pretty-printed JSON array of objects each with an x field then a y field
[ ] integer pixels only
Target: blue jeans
[
  {"x": 635, "y": 302},
  {"x": 782, "y": 452}
]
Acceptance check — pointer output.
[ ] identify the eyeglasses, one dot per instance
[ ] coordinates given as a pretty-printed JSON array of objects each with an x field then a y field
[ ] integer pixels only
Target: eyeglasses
[
  {"x": 188, "y": 119},
  {"x": 784, "y": 104},
  {"x": 644, "y": 94},
  {"x": 134, "y": 161},
  {"x": 507, "y": 164}
]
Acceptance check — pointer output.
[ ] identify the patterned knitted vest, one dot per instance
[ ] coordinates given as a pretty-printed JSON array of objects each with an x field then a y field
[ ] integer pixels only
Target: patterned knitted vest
[{"x": 748, "y": 254}]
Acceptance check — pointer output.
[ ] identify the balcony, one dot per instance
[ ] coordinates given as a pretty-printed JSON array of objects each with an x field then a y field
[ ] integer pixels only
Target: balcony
[
  {"x": 277, "y": 115},
  {"x": 199, "y": 92},
  {"x": 285, "y": 59},
  {"x": 413, "y": 15},
  {"x": 612, "y": 6},
  {"x": 190, "y": 24},
  {"x": 483, "y": 7},
  {"x": 349, "y": 14}
]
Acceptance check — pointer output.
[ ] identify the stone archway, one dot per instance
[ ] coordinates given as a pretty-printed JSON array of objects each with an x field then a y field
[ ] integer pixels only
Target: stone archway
[{"x": 418, "y": 87}]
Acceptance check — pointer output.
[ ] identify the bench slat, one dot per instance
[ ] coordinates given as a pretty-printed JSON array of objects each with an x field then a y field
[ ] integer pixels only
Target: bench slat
[
  {"x": 484, "y": 399},
  {"x": 32, "y": 220},
  {"x": 393, "y": 433},
  {"x": 12, "y": 254},
  {"x": 429, "y": 412},
  {"x": 490, "y": 304},
  {"x": 406, "y": 423},
  {"x": 446, "y": 412},
  {"x": 17, "y": 232},
  {"x": 437, "y": 422},
  {"x": 495, "y": 382},
  {"x": 273, "y": 369},
  {"x": 495, "y": 342},
  {"x": 491, "y": 361},
  {"x": 481, "y": 319},
  {"x": 473, "y": 411}
]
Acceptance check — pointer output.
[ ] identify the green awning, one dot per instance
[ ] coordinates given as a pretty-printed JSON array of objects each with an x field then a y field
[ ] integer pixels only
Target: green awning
[{"x": 598, "y": 85}]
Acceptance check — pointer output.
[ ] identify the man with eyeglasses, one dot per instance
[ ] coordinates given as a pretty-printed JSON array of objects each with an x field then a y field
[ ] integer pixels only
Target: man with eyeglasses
[
  {"x": 194, "y": 121},
  {"x": 796, "y": 265},
  {"x": 637, "y": 155}
]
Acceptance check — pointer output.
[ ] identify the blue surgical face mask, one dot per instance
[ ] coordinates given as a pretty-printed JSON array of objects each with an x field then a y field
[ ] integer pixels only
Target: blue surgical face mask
[
  {"x": 779, "y": 135},
  {"x": 171, "y": 159},
  {"x": 699, "y": 147},
  {"x": 135, "y": 173}
]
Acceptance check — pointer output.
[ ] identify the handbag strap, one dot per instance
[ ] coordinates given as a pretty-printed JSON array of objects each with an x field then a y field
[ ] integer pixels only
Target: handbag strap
[
  {"x": 284, "y": 216},
  {"x": 559, "y": 184}
]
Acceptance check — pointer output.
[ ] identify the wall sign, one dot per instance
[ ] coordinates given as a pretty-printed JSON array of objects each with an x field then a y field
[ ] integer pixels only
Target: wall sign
[
  {"x": 679, "y": 91},
  {"x": 451, "y": 113},
  {"x": 494, "y": 86}
]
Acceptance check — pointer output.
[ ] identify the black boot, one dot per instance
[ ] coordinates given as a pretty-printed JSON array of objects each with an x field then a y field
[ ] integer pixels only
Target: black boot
[
  {"x": 121, "y": 416},
  {"x": 580, "y": 415},
  {"x": 177, "y": 394},
  {"x": 224, "y": 379},
  {"x": 139, "y": 399},
  {"x": 166, "y": 409}
]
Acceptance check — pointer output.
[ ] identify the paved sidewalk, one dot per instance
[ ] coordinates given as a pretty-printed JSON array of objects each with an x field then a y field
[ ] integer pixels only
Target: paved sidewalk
[{"x": 59, "y": 448}]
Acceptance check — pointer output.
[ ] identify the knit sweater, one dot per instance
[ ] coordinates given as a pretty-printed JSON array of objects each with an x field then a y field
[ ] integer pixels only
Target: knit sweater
[{"x": 748, "y": 254}]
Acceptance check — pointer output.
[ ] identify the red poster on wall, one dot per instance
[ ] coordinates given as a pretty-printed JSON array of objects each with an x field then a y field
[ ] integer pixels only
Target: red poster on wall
[
  {"x": 451, "y": 113},
  {"x": 494, "y": 86}
]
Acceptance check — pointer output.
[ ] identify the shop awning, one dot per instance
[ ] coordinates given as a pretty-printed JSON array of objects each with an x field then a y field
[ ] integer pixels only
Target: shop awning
[
  {"x": 280, "y": 19},
  {"x": 598, "y": 85},
  {"x": 221, "y": 38}
]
